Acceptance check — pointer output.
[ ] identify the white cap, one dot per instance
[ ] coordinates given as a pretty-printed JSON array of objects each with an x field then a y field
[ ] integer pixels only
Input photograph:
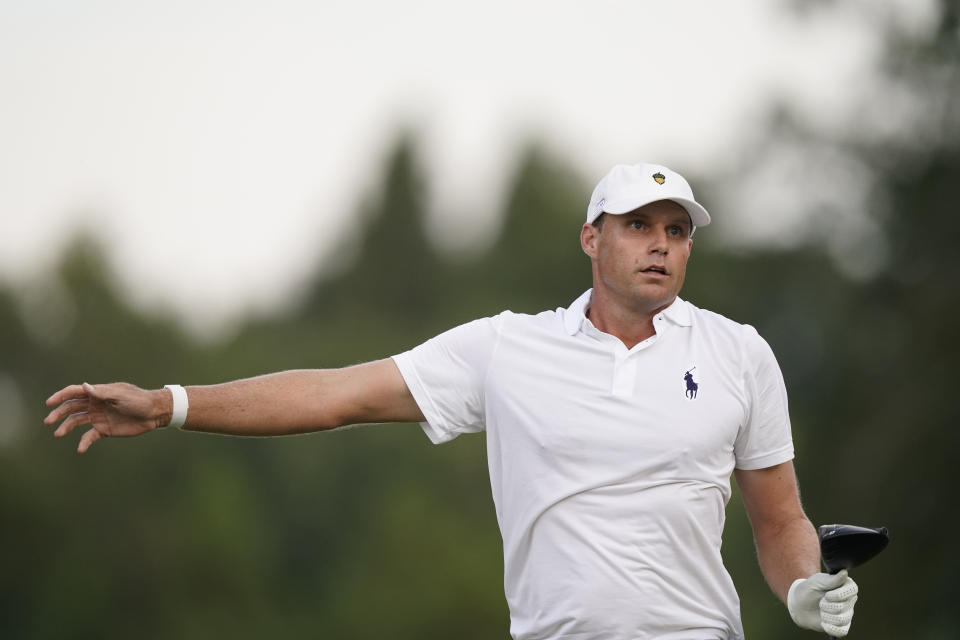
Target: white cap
[{"x": 629, "y": 187}]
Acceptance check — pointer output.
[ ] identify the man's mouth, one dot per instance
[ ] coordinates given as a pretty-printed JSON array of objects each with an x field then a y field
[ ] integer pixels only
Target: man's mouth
[{"x": 656, "y": 270}]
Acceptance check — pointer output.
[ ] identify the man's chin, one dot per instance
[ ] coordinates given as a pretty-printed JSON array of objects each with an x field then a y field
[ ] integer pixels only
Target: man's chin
[
  {"x": 655, "y": 292},
  {"x": 653, "y": 299}
]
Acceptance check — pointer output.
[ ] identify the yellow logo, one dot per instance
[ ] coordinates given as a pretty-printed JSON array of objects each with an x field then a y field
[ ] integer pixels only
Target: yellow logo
[{"x": 659, "y": 177}]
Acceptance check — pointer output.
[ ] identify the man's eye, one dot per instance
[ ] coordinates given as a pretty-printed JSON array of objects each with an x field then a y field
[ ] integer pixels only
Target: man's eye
[
  {"x": 676, "y": 231},
  {"x": 636, "y": 224}
]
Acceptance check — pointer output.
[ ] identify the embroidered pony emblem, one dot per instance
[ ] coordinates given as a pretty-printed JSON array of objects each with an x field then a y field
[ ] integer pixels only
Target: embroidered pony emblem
[{"x": 692, "y": 385}]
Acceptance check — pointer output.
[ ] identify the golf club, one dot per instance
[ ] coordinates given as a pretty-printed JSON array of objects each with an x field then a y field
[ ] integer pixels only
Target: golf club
[{"x": 845, "y": 546}]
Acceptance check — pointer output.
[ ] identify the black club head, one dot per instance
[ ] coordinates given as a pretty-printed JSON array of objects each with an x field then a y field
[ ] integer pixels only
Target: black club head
[{"x": 845, "y": 546}]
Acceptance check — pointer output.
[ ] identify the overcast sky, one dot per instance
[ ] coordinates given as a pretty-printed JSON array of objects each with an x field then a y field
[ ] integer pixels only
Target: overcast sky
[{"x": 219, "y": 147}]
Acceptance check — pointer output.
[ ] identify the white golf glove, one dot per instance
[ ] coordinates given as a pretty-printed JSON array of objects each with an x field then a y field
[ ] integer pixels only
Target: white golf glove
[{"x": 823, "y": 602}]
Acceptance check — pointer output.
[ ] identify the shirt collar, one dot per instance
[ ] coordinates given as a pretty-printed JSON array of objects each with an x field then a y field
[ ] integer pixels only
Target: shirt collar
[{"x": 576, "y": 313}]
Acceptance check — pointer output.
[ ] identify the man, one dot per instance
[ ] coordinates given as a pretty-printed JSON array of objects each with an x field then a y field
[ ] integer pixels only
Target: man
[{"x": 613, "y": 427}]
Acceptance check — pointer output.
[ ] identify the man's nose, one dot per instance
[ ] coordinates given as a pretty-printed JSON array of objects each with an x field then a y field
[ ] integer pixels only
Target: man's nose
[{"x": 658, "y": 241}]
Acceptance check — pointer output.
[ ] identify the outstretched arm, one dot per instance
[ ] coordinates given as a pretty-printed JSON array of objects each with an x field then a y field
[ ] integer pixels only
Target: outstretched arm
[{"x": 282, "y": 403}]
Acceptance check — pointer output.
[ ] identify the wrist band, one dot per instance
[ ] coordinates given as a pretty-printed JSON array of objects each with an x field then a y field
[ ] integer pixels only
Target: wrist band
[{"x": 180, "y": 405}]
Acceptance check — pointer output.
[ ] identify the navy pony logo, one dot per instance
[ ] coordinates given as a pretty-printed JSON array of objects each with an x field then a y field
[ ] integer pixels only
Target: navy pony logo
[{"x": 692, "y": 385}]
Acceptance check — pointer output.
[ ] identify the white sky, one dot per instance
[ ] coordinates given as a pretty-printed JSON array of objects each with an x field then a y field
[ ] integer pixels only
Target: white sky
[{"x": 216, "y": 146}]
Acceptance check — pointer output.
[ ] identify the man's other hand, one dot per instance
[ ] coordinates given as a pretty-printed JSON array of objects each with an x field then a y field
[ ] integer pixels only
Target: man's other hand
[
  {"x": 113, "y": 410},
  {"x": 823, "y": 602}
]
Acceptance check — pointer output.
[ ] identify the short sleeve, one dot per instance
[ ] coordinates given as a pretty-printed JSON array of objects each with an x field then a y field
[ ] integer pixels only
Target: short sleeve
[
  {"x": 446, "y": 377},
  {"x": 764, "y": 439}
]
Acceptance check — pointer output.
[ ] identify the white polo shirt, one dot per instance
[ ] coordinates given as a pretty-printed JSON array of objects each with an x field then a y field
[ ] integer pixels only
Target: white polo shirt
[{"x": 610, "y": 468}]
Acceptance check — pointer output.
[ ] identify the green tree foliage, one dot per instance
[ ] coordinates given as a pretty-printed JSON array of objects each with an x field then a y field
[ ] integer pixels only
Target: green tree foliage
[{"x": 537, "y": 262}]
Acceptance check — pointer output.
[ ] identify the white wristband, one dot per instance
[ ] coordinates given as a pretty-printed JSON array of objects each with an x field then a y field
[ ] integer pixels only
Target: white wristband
[{"x": 180, "y": 405}]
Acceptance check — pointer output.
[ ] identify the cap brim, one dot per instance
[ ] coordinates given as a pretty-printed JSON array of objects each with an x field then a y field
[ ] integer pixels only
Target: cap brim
[{"x": 698, "y": 215}]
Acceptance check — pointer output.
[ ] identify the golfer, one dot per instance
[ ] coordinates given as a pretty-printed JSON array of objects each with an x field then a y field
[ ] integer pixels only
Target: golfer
[{"x": 613, "y": 427}]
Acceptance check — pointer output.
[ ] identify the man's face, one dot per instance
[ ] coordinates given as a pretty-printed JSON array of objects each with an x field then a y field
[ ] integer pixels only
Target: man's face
[{"x": 640, "y": 258}]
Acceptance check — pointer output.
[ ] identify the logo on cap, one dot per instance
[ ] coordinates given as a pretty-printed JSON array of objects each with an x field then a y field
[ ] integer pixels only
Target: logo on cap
[
  {"x": 659, "y": 177},
  {"x": 600, "y": 204}
]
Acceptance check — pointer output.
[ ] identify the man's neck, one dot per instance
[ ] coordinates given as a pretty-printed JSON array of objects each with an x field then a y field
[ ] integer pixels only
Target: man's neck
[{"x": 630, "y": 325}]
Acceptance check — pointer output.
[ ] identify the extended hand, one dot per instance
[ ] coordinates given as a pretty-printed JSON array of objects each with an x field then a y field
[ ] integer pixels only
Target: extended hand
[
  {"x": 823, "y": 602},
  {"x": 114, "y": 410}
]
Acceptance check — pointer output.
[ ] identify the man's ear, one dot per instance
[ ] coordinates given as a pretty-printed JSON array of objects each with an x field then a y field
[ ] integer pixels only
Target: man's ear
[{"x": 588, "y": 239}]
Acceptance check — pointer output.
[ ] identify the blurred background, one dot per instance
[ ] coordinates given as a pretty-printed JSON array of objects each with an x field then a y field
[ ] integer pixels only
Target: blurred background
[{"x": 200, "y": 191}]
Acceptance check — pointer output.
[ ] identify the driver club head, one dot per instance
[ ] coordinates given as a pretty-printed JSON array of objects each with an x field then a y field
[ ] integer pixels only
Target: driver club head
[{"x": 845, "y": 546}]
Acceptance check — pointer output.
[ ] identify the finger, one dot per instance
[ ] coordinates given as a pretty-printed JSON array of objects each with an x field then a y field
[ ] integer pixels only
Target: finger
[
  {"x": 837, "y": 619},
  {"x": 828, "y": 607},
  {"x": 73, "y": 420},
  {"x": 835, "y": 631},
  {"x": 844, "y": 592},
  {"x": 88, "y": 439},
  {"x": 65, "y": 409},
  {"x": 67, "y": 393},
  {"x": 833, "y": 580},
  {"x": 97, "y": 391},
  {"x": 824, "y": 582}
]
